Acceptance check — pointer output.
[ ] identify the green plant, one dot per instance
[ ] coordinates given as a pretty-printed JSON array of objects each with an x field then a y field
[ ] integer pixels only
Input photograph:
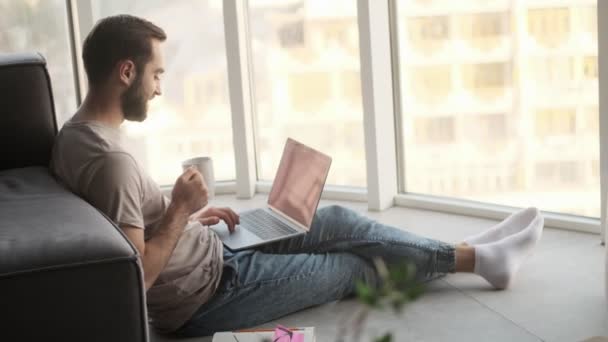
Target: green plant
[{"x": 398, "y": 287}]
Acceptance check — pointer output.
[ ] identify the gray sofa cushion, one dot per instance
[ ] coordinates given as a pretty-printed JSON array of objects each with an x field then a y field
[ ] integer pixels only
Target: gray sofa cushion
[{"x": 45, "y": 225}]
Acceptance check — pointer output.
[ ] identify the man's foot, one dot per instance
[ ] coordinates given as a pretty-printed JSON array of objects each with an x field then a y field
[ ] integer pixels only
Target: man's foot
[
  {"x": 511, "y": 225},
  {"x": 499, "y": 261}
]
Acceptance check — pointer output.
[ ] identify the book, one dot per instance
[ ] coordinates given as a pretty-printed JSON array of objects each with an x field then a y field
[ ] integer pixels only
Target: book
[{"x": 259, "y": 335}]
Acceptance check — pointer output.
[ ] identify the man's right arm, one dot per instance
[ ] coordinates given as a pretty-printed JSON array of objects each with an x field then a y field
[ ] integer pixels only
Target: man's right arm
[
  {"x": 189, "y": 195},
  {"x": 155, "y": 252},
  {"x": 116, "y": 190}
]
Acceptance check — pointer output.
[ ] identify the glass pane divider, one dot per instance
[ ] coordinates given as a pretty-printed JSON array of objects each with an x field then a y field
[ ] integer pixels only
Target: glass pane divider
[
  {"x": 80, "y": 17},
  {"x": 241, "y": 105},
  {"x": 75, "y": 48},
  {"x": 378, "y": 110},
  {"x": 397, "y": 104},
  {"x": 602, "y": 22}
]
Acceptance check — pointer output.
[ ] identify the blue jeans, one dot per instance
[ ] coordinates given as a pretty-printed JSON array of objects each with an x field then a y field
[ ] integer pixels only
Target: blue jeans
[{"x": 263, "y": 284}]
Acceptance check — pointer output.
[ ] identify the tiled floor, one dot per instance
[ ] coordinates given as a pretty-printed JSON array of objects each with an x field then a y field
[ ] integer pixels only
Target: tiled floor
[{"x": 558, "y": 295}]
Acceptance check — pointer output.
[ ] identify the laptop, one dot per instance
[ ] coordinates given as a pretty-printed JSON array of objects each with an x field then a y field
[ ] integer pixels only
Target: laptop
[{"x": 292, "y": 203}]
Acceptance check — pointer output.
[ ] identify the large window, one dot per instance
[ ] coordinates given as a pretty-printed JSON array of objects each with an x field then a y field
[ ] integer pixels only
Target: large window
[
  {"x": 192, "y": 117},
  {"x": 41, "y": 26},
  {"x": 498, "y": 100},
  {"x": 307, "y": 84},
  {"x": 500, "y": 104}
]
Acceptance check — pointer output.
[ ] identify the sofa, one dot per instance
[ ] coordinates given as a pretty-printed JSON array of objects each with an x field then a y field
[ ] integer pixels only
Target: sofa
[{"x": 67, "y": 273}]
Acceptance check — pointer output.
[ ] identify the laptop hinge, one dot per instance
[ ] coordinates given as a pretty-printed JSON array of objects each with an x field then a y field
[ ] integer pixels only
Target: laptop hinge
[{"x": 280, "y": 213}]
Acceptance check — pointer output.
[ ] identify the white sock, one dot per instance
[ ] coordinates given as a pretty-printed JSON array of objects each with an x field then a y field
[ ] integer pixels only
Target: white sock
[
  {"x": 511, "y": 225},
  {"x": 498, "y": 261}
]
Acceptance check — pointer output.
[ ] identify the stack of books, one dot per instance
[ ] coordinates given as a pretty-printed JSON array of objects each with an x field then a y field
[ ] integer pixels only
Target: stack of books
[{"x": 280, "y": 334}]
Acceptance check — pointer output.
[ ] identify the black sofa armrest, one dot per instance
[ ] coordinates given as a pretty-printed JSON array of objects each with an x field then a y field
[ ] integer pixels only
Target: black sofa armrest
[{"x": 67, "y": 273}]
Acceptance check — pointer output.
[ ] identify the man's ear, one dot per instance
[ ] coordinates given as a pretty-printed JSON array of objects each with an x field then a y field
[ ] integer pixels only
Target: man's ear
[{"x": 127, "y": 72}]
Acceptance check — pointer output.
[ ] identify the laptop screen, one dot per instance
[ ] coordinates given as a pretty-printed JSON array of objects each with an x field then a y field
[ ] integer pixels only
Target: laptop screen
[{"x": 299, "y": 181}]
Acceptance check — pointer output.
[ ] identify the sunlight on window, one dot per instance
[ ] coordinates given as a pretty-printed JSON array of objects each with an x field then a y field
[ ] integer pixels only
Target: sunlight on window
[
  {"x": 500, "y": 102},
  {"x": 307, "y": 84}
]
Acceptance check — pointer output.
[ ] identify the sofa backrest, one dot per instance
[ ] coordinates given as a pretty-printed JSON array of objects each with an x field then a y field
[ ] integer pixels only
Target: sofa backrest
[{"x": 27, "y": 112}]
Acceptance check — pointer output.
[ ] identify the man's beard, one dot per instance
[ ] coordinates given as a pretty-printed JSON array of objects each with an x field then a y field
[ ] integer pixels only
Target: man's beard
[{"x": 134, "y": 103}]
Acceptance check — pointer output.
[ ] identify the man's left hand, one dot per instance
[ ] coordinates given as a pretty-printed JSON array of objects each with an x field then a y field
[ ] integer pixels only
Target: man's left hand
[{"x": 212, "y": 215}]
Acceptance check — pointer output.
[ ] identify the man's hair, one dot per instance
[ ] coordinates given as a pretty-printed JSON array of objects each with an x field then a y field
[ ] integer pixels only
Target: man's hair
[{"x": 118, "y": 38}]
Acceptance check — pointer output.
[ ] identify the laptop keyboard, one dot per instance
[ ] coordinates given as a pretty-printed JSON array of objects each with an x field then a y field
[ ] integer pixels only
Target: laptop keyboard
[{"x": 265, "y": 225}]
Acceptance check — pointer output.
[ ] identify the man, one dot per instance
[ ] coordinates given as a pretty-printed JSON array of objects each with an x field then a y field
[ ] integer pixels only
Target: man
[{"x": 195, "y": 286}]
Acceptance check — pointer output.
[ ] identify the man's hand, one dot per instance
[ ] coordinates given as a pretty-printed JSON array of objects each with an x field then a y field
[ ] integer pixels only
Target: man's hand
[
  {"x": 190, "y": 191},
  {"x": 210, "y": 216}
]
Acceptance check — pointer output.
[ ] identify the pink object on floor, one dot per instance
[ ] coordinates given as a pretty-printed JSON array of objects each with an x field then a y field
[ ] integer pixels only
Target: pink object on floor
[{"x": 282, "y": 334}]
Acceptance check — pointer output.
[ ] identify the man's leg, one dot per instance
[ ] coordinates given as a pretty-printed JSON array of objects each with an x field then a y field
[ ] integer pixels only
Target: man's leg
[
  {"x": 280, "y": 278},
  {"x": 465, "y": 258},
  {"x": 497, "y": 259},
  {"x": 339, "y": 229},
  {"x": 257, "y": 287}
]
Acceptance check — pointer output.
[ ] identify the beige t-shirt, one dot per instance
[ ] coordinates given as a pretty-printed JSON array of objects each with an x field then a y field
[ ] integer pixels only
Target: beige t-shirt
[{"x": 93, "y": 160}]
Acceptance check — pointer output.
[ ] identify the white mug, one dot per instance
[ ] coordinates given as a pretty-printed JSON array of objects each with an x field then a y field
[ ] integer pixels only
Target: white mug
[{"x": 205, "y": 166}]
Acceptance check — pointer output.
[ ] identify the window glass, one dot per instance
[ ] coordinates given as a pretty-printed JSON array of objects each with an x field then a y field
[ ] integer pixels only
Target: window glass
[
  {"x": 307, "y": 84},
  {"x": 499, "y": 102}
]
